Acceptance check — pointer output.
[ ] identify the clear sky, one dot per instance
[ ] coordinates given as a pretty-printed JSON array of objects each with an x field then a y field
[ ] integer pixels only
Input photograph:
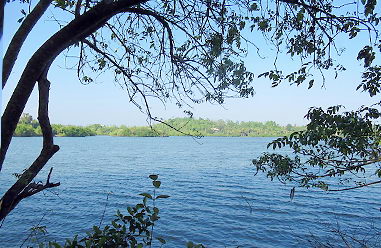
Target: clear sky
[{"x": 106, "y": 103}]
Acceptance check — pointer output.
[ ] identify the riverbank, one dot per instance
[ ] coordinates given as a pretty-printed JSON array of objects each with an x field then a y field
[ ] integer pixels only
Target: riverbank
[{"x": 28, "y": 127}]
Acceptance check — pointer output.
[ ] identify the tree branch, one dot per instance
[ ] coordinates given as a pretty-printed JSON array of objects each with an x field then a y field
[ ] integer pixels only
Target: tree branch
[
  {"x": 43, "y": 110},
  {"x": 122, "y": 70},
  {"x": 311, "y": 7},
  {"x": 24, "y": 187},
  {"x": 78, "y": 8},
  {"x": 75, "y": 31},
  {"x": 165, "y": 24},
  {"x": 356, "y": 187},
  {"x": 2, "y": 5},
  {"x": 18, "y": 39}
]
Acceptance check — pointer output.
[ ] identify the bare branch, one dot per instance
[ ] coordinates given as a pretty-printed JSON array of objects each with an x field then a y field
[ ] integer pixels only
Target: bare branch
[
  {"x": 165, "y": 24},
  {"x": 20, "y": 36},
  {"x": 34, "y": 188},
  {"x": 21, "y": 190},
  {"x": 356, "y": 187},
  {"x": 2, "y": 4},
  {"x": 43, "y": 113},
  {"x": 24, "y": 187},
  {"x": 78, "y": 8},
  {"x": 76, "y": 30}
]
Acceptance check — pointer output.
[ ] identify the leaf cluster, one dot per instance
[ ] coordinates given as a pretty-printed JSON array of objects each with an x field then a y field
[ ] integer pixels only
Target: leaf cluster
[
  {"x": 310, "y": 31},
  {"x": 135, "y": 229},
  {"x": 334, "y": 144}
]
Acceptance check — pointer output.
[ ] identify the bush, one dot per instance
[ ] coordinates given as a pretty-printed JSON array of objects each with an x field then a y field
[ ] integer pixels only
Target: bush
[
  {"x": 25, "y": 130},
  {"x": 132, "y": 230}
]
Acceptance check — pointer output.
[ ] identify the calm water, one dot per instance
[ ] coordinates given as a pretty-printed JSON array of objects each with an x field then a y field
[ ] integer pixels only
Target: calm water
[{"x": 215, "y": 199}]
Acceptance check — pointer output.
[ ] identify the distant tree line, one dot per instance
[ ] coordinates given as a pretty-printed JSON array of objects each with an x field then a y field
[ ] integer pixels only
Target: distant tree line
[
  {"x": 205, "y": 127},
  {"x": 28, "y": 127}
]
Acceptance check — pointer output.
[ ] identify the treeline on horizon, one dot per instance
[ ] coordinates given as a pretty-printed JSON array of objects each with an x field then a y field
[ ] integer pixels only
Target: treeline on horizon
[{"x": 29, "y": 127}]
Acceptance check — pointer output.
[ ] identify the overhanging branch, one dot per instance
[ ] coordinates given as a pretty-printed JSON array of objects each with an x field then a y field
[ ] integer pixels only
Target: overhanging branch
[
  {"x": 356, "y": 187},
  {"x": 163, "y": 21},
  {"x": 75, "y": 31},
  {"x": 123, "y": 71},
  {"x": 18, "y": 39}
]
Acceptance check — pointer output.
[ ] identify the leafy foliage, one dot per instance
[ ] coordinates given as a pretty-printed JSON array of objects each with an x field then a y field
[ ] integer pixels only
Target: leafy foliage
[
  {"x": 193, "y": 245},
  {"x": 148, "y": 59},
  {"x": 190, "y": 51},
  {"x": 309, "y": 30},
  {"x": 28, "y": 127},
  {"x": 72, "y": 131},
  {"x": 132, "y": 230},
  {"x": 335, "y": 144},
  {"x": 25, "y": 130},
  {"x": 205, "y": 127},
  {"x": 135, "y": 229}
]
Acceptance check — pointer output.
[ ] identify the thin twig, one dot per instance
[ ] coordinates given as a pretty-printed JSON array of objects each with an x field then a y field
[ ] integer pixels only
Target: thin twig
[{"x": 356, "y": 187}]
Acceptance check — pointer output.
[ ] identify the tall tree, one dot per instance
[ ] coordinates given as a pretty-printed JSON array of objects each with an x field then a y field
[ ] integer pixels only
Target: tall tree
[{"x": 186, "y": 50}]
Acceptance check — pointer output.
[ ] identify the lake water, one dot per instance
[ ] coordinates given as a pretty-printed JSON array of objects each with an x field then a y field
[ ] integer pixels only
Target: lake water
[{"x": 215, "y": 197}]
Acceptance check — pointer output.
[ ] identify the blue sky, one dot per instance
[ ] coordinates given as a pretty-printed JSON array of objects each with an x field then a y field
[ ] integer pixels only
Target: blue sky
[{"x": 106, "y": 103}]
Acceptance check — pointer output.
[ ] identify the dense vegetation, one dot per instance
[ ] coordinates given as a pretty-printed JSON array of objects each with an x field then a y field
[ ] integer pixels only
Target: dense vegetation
[
  {"x": 205, "y": 127},
  {"x": 28, "y": 127}
]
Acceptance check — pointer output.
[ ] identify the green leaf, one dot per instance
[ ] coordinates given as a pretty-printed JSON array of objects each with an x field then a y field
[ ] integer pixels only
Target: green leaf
[
  {"x": 130, "y": 210},
  {"x": 154, "y": 217},
  {"x": 153, "y": 177},
  {"x": 311, "y": 83},
  {"x": 242, "y": 25},
  {"x": 156, "y": 184},
  {"x": 253, "y": 7},
  {"x": 161, "y": 240},
  {"x": 146, "y": 195},
  {"x": 300, "y": 15},
  {"x": 156, "y": 210},
  {"x": 56, "y": 245},
  {"x": 190, "y": 244},
  {"x": 97, "y": 230},
  {"x": 114, "y": 224},
  {"x": 162, "y": 196},
  {"x": 367, "y": 54}
]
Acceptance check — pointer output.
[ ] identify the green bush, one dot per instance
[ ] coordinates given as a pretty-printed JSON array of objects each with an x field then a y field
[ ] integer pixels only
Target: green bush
[
  {"x": 25, "y": 130},
  {"x": 135, "y": 229}
]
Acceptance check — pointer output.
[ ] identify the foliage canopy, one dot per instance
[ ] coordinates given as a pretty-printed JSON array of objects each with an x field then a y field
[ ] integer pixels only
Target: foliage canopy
[{"x": 344, "y": 145}]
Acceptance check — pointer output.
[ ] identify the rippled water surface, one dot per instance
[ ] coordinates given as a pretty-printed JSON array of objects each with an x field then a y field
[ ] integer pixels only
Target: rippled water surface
[{"x": 215, "y": 197}]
